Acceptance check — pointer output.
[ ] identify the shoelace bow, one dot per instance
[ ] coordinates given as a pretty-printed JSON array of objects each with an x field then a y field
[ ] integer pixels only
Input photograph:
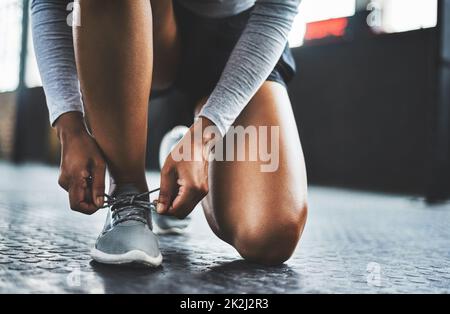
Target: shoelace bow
[{"x": 129, "y": 207}]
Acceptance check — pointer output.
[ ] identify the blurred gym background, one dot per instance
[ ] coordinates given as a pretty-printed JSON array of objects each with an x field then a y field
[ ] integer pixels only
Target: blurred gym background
[{"x": 371, "y": 98}]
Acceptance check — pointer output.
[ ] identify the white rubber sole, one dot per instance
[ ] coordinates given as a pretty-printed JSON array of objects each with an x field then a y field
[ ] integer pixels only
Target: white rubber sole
[
  {"x": 131, "y": 257},
  {"x": 170, "y": 231}
]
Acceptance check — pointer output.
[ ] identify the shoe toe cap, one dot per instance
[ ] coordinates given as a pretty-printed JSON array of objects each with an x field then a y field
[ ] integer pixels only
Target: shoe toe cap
[{"x": 125, "y": 238}]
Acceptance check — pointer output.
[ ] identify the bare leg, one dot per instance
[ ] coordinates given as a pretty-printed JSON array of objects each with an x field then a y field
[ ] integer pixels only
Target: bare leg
[
  {"x": 166, "y": 44},
  {"x": 262, "y": 214},
  {"x": 114, "y": 52}
]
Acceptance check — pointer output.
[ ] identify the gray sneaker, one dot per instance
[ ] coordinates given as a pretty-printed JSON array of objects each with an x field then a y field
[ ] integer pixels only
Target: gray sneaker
[
  {"x": 127, "y": 237},
  {"x": 167, "y": 224},
  {"x": 170, "y": 225}
]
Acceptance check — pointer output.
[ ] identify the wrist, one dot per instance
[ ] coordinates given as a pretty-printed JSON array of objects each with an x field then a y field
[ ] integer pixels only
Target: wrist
[
  {"x": 70, "y": 124},
  {"x": 210, "y": 132}
]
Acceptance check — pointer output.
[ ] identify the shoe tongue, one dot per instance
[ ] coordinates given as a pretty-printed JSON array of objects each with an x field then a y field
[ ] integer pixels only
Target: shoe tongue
[{"x": 123, "y": 190}]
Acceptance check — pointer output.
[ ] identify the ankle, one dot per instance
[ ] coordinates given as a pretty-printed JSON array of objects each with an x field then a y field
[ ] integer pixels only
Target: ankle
[{"x": 141, "y": 187}]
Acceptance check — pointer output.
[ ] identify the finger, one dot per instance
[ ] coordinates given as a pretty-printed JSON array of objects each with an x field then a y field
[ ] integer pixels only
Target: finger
[
  {"x": 168, "y": 189},
  {"x": 78, "y": 197},
  {"x": 63, "y": 182},
  {"x": 98, "y": 184},
  {"x": 185, "y": 201}
]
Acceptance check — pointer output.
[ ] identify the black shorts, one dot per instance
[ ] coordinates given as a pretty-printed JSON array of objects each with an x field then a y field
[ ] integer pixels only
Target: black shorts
[{"x": 206, "y": 47}]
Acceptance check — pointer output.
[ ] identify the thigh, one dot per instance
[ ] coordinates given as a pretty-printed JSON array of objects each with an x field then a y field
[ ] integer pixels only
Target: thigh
[
  {"x": 166, "y": 44},
  {"x": 242, "y": 197}
]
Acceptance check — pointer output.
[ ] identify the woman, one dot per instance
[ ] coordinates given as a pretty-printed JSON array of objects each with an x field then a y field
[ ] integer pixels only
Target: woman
[{"x": 230, "y": 56}]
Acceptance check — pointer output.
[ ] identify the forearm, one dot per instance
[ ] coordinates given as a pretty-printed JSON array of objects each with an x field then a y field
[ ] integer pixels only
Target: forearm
[
  {"x": 53, "y": 45},
  {"x": 254, "y": 57}
]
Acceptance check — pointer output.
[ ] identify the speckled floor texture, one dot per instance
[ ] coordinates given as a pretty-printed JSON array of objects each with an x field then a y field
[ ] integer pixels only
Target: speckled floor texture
[{"x": 354, "y": 242}]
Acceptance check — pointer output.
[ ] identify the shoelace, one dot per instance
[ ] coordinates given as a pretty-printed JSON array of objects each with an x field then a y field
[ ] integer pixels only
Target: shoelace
[{"x": 129, "y": 207}]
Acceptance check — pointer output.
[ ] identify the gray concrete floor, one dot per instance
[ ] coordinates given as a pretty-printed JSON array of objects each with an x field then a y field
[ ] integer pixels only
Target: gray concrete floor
[{"x": 354, "y": 242}]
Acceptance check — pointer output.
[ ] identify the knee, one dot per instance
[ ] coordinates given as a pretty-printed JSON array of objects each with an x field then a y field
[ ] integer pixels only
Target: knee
[{"x": 270, "y": 241}]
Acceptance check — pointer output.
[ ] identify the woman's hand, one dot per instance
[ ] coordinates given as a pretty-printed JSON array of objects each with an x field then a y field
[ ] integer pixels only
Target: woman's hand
[
  {"x": 184, "y": 181},
  {"x": 82, "y": 164}
]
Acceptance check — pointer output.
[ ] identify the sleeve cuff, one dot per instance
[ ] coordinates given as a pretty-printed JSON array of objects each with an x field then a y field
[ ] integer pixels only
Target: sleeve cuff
[
  {"x": 56, "y": 111},
  {"x": 223, "y": 129}
]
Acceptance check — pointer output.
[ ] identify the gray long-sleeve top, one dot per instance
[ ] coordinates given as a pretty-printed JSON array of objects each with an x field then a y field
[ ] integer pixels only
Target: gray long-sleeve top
[{"x": 252, "y": 60}]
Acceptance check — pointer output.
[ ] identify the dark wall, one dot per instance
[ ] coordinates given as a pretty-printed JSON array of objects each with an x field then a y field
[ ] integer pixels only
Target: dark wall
[
  {"x": 365, "y": 110},
  {"x": 32, "y": 126}
]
